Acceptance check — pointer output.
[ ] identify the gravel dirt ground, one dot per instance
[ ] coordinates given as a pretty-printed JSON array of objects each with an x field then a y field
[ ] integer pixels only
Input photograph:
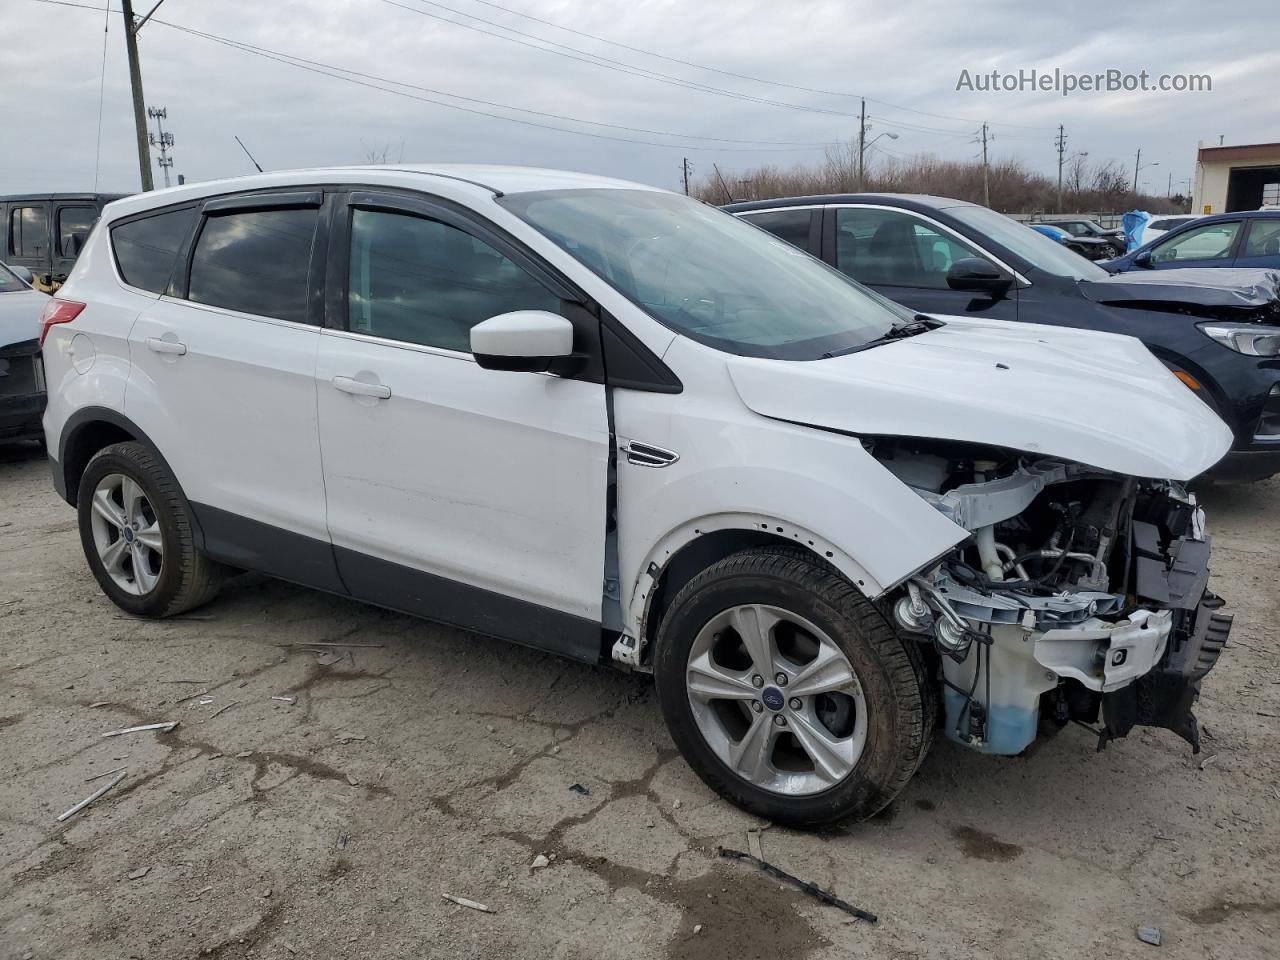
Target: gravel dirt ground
[{"x": 414, "y": 760}]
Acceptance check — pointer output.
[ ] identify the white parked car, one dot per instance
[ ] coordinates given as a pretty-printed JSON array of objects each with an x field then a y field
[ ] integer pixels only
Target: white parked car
[{"x": 614, "y": 423}]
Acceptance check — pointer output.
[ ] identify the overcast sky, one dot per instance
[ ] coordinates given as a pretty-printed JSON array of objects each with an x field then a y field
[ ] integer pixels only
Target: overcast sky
[{"x": 909, "y": 54}]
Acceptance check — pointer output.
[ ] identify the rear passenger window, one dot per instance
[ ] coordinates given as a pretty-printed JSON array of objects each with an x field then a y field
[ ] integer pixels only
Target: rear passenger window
[
  {"x": 255, "y": 261},
  {"x": 147, "y": 249},
  {"x": 28, "y": 232},
  {"x": 423, "y": 281},
  {"x": 789, "y": 225}
]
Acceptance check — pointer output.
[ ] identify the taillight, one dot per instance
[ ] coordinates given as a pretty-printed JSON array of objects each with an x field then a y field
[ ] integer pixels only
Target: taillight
[{"x": 58, "y": 311}]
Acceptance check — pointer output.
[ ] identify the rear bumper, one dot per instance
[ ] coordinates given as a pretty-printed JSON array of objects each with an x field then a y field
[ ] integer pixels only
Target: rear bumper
[{"x": 20, "y": 417}]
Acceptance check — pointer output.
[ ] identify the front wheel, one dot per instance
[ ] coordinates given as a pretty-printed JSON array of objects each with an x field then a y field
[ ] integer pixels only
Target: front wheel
[{"x": 788, "y": 692}]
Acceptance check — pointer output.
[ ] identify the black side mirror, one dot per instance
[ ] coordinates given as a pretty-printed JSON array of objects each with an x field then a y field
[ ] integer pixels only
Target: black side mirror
[
  {"x": 978, "y": 275},
  {"x": 1143, "y": 259}
]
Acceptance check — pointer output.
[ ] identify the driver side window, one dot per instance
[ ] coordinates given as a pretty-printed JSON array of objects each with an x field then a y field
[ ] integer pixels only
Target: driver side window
[
  {"x": 424, "y": 281},
  {"x": 1213, "y": 241},
  {"x": 893, "y": 248}
]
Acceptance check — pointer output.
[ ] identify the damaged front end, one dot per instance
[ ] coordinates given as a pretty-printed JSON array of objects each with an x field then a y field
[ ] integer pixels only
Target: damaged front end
[{"x": 1080, "y": 595}]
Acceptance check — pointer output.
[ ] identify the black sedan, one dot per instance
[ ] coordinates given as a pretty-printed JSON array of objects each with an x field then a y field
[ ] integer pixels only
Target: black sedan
[
  {"x": 22, "y": 390},
  {"x": 1085, "y": 228},
  {"x": 1218, "y": 331}
]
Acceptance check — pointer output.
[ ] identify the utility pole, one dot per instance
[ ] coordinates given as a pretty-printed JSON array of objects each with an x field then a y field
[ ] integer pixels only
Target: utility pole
[
  {"x": 728, "y": 194},
  {"x": 986, "y": 186},
  {"x": 1062, "y": 151},
  {"x": 135, "y": 81},
  {"x": 1137, "y": 159},
  {"x": 686, "y": 169},
  {"x": 862, "y": 145},
  {"x": 1168, "y": 191},
  {"x": 162, "y": 140}
]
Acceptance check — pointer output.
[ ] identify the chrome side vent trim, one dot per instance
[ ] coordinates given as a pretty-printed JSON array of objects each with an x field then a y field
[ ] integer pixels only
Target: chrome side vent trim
[{"x": 647, "y": 455}]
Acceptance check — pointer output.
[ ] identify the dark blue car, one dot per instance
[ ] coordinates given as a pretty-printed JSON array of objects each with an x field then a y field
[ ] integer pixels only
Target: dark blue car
[
  {"x": 1246, "y": 239},
  {"x": 1218, "y": 331}
]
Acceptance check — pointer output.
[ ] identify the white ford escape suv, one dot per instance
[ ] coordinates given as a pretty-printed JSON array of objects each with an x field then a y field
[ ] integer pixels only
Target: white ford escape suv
[{"x": 610, "y": 422}]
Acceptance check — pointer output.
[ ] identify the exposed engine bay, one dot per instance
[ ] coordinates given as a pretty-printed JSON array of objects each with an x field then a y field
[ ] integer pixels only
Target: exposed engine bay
[{"x": 1080, "y": 596}]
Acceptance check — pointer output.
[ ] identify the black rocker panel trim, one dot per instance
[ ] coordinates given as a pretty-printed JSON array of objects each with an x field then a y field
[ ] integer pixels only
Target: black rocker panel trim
[
  {"x": 254, "y": 545},
  {"x": 437, "y": 598}
]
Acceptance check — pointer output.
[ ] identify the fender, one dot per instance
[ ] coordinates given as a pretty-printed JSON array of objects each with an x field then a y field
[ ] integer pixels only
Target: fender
[
  {"x": 777, "y": 528},
  {"x": 74, "y": 428}
]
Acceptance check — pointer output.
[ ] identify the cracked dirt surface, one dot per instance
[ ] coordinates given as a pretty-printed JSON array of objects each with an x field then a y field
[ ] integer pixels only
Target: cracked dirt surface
[{"x": 440, "y": 762}]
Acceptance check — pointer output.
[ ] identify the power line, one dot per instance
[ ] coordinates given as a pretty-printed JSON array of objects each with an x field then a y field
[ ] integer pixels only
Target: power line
[
  {"x": 102, "y": 84},
  {"x": 249, "y": 47},
  {"x": 596, "y": 60},
  {"x": 354, "y": 77},
  {"x": 728, "y": 73}
]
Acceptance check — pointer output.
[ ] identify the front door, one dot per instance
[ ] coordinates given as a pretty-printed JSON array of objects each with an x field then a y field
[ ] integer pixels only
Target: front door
[
  {"x": 469, "y": 496},
  {"x": 906, "y": 257}
]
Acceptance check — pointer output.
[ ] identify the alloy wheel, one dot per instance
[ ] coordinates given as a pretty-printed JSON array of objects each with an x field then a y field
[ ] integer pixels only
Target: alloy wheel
[
  {"x": 126, "y": 533},
  {"x": 776, "y": 699}
]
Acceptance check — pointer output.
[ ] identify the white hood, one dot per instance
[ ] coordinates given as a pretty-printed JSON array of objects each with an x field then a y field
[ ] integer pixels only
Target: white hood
[{"x": 1098, "y": 399}]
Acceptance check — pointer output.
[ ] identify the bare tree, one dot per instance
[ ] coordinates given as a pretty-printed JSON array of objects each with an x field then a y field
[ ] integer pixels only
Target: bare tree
[{"x": 1101, "y": 187}]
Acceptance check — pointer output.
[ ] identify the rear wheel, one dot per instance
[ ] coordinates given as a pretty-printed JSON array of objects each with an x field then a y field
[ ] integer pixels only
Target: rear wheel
[
  {"x": 136, "y": 531},
  {"x": 788, "y": 692}
]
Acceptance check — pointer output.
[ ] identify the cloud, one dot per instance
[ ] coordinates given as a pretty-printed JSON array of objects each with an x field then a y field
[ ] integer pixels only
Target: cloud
[{"x": 909, "y": 56}]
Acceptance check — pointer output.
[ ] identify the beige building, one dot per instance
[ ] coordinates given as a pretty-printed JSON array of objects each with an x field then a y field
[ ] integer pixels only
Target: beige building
[{"x": 1230, "y": 178}]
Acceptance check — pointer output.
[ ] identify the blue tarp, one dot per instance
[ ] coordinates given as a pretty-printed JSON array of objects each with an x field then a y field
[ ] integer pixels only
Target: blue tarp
[{"x": 1133, "y": 223}]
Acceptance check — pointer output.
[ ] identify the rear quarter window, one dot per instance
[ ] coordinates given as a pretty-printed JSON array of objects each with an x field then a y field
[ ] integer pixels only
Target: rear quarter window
[{"x": 146, "y": 249}]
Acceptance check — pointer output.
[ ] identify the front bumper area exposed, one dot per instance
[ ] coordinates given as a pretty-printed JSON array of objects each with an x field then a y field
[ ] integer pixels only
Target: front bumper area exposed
[{"x": 1109, "y": 619}]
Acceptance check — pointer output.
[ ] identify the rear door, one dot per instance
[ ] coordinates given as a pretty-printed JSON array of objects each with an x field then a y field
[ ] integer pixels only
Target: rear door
[
  {"x": 905, "y": 256},
  {"x": 1261, "y": 244},
  {"x": 470, "y": 496},
  {"x": 223, "y": 380}
]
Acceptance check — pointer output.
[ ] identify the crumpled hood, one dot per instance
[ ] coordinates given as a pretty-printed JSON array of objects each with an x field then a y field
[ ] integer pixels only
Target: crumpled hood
[
  {"x": 20, "y": 316},
  {"x": 1094, "y": 398},
  {"x": 1244, "y": 289}
]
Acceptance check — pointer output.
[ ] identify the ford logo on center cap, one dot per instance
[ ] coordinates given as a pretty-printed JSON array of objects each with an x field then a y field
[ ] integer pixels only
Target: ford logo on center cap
[{"x": 773, "y": 698}]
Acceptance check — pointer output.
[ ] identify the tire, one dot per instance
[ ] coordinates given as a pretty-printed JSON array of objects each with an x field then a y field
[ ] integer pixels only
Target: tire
[
  {"x": 892, "y": 708},
  {"x": 147, "y": 582}
]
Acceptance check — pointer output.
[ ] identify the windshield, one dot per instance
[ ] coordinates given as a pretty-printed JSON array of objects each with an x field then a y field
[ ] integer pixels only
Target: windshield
[
  {"x": 1037, "y": 249},
  {"x": 9, "y": 283},
  {"x": 706, "y": 274}
]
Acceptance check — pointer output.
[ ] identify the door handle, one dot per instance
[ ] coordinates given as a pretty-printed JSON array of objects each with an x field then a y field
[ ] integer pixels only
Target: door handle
[
  {"x": 166, "y": 346},
  {"x": 359, "y": 388}
]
